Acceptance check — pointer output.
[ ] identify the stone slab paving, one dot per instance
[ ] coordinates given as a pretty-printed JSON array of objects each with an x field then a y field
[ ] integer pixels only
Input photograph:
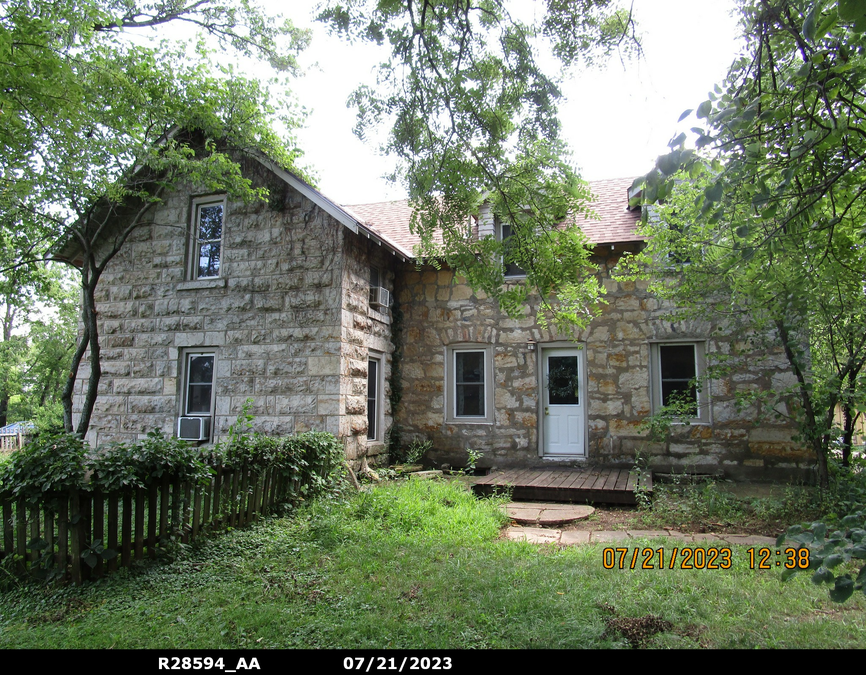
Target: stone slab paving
[
  {"x": 547, "y": 515},
  {"x": 538, "y": 535}
]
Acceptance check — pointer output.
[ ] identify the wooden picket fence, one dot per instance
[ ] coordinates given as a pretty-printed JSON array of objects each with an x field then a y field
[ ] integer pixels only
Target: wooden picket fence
[
  {"x": 13, "y": 441},
  {"x": 84, "y": 534}
]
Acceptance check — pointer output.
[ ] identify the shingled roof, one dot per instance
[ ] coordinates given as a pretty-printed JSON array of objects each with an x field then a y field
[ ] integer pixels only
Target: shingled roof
[{"x": 616, "y": 223}]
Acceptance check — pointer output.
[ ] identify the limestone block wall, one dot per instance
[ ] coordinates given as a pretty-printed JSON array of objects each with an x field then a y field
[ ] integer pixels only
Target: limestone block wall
[
  {"x": 440, "y": 311},
  {"x": 274, "y": 319},
  {"x": 366, "y": 332}
]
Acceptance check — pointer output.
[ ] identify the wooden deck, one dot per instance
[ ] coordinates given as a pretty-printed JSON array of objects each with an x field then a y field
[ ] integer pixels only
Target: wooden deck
[{"x": 582, "y": 486}]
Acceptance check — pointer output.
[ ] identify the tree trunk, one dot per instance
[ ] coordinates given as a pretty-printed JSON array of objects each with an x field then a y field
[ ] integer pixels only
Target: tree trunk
[
  {"x": 91, "y": 392},
  {"x": 810, "y": 423},
  {"x": 89, "y": 339}
]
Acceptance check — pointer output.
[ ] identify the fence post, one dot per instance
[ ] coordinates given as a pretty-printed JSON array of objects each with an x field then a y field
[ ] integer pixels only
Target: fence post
[{"x": 75, "y": 521}]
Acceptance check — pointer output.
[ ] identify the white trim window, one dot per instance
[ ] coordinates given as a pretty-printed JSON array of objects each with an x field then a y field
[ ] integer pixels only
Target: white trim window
[
  {"x": 677, "y": 374},
  {"x": 198, "y": 384},
  {"x": 208, "y": 221},
  {"x": 469, "y": 384},
  {"x": 375, "y": 399}
]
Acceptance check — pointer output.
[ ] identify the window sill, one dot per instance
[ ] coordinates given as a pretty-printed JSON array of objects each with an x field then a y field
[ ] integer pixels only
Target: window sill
[
  {"x": 198, "y": 284},
  {"x": 381, "y": 317},
  {"x": 463, "y": 420}
]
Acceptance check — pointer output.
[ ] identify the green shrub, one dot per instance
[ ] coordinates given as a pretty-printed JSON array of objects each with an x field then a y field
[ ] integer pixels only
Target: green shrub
[
  {"x": 49, "y": 463},
  {"x": 138, "y": 464}
]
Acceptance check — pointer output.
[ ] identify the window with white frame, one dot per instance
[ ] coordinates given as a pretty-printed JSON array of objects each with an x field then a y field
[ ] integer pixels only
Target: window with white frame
[
  {"x": 677, "y": 374},
  {"x": 469, "y": 384},
  {"x": 374, "y": 398},
  {"x": 198, "y": 389},
  {"x": 207, "y": 235}
]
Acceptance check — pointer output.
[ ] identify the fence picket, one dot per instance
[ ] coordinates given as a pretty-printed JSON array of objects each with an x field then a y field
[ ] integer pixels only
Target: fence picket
[
  {"x": 151, "y": 519},
  {"x": 21, "y": 535},
  {"x": 98, "y": 528},
  {"x": 196, "y": 511},
  {"x": 113, "y": 521},
  {"x": 63, "y": 534},
  {"x": 139, "y": 523},
  {"x": 75, "y": 525},
  {"x": 8, "y": 530},
  {"x": 126, "y": 534},
  {"x": 49, "y": 536}
]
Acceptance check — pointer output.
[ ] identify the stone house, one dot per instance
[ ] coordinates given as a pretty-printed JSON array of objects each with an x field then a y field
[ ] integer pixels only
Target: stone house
[{"x": 319, "y": 314}]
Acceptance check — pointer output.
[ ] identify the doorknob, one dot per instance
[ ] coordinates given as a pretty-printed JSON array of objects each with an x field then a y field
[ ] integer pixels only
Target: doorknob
[{"x": 546, "y": 410}]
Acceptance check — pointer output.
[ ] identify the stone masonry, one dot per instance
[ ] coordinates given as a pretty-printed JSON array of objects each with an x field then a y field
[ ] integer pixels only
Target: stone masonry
[
  {"x": 287, "y": 320},
  {"x": 440, "y": 311}
]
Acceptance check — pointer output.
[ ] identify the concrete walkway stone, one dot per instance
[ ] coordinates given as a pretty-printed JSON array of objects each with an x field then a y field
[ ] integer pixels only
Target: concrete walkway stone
[
  {"x": 539, "y": 535},
  {"x": 547, "y": 515}
]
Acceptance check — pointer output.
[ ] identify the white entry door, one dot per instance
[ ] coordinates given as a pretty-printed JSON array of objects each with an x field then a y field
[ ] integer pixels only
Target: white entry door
[{"x": 563, "y": 399}]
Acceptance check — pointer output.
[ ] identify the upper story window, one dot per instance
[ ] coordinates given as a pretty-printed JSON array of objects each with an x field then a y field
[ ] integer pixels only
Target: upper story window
[
  {"x": 506, "y": 233},
  {"x": 208, "y": 221}
]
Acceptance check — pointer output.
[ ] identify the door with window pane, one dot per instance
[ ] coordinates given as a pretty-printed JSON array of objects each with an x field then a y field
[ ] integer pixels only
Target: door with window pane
[{"x": 563, "y": 398}]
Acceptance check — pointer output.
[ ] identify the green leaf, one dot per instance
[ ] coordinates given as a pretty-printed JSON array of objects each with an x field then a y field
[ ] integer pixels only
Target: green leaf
[
  {"x": 826, "y": 24},
  {"x": 713, "y": 193},
  {"x": 843, "y": 589},
  {"x": 679, "y": 140},
  {"x": 810, "y": 23},
  {"x": 704, "y": 109},
  {"x": 851, "y": 10},
  {"x": 668, "y": 164},
  {"x": 822, "y": 576},
  {"x": 703, "y": 141},
  {"x": 833, "y": 560},
  {"x": 685, "y": 114},
  {"x": 788, "y": 573},
  {"x": 770, "y": 211}
]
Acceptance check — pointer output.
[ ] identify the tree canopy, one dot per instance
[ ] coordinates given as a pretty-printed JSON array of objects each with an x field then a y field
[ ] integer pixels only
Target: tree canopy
[
  {"x": 99, "y": 119},
  {"x": 470, "y": 105},
  {"x": 764, "y": 216},
  {"x": 97, "y": 123}
]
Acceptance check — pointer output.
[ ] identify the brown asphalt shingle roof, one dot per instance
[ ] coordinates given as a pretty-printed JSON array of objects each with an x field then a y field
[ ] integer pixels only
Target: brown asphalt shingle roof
[{"x": 616, "y": 223}]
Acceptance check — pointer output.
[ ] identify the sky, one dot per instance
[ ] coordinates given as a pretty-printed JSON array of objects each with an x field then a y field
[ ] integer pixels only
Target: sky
[{"x": 617, "y": 120}]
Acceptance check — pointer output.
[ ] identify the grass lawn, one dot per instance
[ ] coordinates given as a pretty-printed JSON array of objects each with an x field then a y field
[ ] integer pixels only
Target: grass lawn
[{"x": 420, "y": 565}]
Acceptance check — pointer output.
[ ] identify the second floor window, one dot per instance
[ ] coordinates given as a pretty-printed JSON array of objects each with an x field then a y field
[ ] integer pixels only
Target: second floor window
[{"x": 209, "y": 214}]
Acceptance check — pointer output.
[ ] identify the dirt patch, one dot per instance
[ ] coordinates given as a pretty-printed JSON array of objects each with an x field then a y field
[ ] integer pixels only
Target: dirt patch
[
  {"x": 608, "y": 518},
  {"x": 637, "y": 631}
]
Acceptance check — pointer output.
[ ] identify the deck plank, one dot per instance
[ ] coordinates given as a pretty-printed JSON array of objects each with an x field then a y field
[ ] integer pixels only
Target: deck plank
[
  {"x": 613, "y": 486},
  {"x": 610, "y": 483}
]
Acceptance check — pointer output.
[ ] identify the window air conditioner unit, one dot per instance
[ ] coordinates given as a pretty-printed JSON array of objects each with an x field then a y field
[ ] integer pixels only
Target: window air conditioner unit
[
  {"x": 380, "y": 297},
  {"x": 193, "y": 428}
]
